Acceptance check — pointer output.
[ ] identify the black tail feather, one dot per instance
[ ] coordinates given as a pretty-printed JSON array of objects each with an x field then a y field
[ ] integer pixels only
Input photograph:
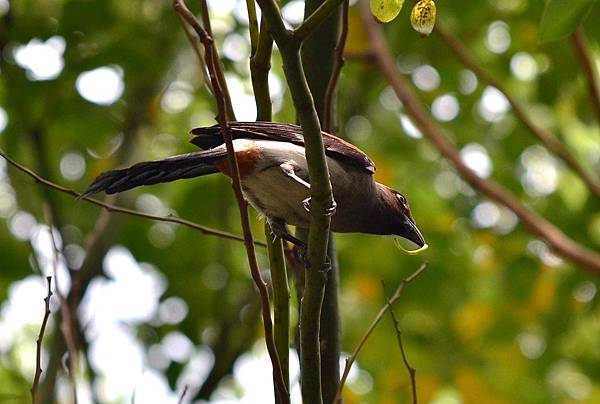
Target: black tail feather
[{"x": 153, "y": 172}]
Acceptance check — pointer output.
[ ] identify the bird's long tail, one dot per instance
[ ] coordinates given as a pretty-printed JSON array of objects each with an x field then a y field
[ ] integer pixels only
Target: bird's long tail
[{"x": 153, "y": 172}]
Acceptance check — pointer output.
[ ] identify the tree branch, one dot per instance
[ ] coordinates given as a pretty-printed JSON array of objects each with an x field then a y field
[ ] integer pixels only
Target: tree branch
[
  {"x": 112, "y": 208},
  {"x": 214, "y": 67},
  {"x": 328, "y": 123},
  {"x": 315, "y": 19},
  {"x": 281, "y": 304},
  {"x": 260, "y": 64},
  {"x": 318, "y": 53},
  {"x": 537, "y": 225},
  {"x": 38, "y": 353},
  {"x": 217, "y": 67},
  {"x": 589, "y": 69},
  {"x": 542, "y": 134},
  {"x": 374, "y": 324}
]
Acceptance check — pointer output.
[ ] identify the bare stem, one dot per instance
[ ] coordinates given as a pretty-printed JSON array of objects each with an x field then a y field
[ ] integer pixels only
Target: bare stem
[
  {"x": 281, "y": 304},
  {"x": 328, "y": 123},
  {"x": 38, "y": 353},
  {"x": 537, "y": 225},
  {"x": 67, "y": 326},
  {"x": 411, "y": 370},
  {"x": 113, "y": 208},
  {"x": 372, "y": 327},
  {"x": 542, "y": 134}
]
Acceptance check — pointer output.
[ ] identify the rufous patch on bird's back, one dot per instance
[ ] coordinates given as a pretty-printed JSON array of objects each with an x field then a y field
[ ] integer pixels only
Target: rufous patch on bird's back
[{"x": 246, "y": 159}]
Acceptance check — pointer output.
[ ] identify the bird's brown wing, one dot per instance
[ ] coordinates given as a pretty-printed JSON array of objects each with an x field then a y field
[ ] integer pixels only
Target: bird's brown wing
[{"x": 210, "y": 137}]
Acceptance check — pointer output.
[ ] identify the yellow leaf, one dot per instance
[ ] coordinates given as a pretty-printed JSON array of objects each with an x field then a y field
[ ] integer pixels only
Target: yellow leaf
[
  {"x": 386, "y": 10},
  {"x": 422, "y": 17}
]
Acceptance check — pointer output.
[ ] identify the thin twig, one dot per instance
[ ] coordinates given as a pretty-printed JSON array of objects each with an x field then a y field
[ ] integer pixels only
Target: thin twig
[
  {"x": 224, "y": 112},
  {"x": 198, "y": 52},
  {"x": 38, "y": 353},
  {"x": 537, "y": 225},
  {"x": 411, "y": 370},
  {"x": 67, "y": 326},
  {"x": 113, "y": 208},
  {"x": 542, "y": 134},
  {"x": 374, "y": 324},
  {"x": 182, "y": 395},
  {"x": 217, "y": 68},
  {"x": 337, "y": 69},
  {"x": 589, "y": 69}
]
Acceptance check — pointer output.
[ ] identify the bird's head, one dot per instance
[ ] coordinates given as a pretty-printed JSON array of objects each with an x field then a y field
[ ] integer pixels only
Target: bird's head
[{"x": 400, "y": 220}]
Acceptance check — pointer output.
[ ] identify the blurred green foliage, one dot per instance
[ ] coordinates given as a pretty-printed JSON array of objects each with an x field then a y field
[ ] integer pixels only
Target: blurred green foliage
[{"x": 496, "y": 318}]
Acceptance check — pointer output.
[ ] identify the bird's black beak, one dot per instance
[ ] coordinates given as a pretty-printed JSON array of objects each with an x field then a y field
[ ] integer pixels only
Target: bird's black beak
[{"x": 411, "y": 232}]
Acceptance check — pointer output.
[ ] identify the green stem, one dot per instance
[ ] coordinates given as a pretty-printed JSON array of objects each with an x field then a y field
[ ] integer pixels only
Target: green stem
[
  {"x": 319, "y": 53},
  {"x": 316, "y": 18},
  {"x": 260, "y": 64},
  {"x": 281, "y": 305}
]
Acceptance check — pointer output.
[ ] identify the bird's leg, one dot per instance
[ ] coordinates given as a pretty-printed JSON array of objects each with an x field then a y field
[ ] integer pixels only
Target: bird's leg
[
  {"x": 288, "y": 169},
  {"x": 279, "y": 229}
]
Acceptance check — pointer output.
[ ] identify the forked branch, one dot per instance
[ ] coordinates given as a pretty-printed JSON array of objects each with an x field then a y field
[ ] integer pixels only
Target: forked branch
[{"x": 374, "y": 323}]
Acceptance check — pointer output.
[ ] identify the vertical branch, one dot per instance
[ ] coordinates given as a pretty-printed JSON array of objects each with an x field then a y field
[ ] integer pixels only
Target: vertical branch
[
  {"x": 322, "y": 58},
  {"x": 38, "y": 352},
  {"x": 329, "y": 108},
  {"x": 213, "y": 68},
  {"x": 289, "y": 43},
  {"x": 260, "y": 64},
  {"x": 589, "y": 69},
  {"x": 281, "y": 304}
]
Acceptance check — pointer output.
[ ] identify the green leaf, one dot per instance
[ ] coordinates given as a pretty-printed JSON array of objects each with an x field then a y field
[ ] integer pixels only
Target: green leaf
[
  {"x": 386, "y": 10},
  {"x": 562, "y": 17}
]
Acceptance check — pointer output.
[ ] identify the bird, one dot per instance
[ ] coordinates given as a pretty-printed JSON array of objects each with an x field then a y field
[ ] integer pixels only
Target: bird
[{"x": 275, "y": 179}]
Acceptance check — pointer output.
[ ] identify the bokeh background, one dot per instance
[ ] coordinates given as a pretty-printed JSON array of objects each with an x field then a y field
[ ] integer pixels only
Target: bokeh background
[{"x": 90, "y": 85}]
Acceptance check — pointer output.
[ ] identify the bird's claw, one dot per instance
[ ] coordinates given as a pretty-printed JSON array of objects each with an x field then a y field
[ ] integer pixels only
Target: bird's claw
[{"x": 330, "y": 211}]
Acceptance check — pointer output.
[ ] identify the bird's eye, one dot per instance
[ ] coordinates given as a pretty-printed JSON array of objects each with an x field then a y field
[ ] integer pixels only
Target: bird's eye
[{"x": 402, "y": 199}]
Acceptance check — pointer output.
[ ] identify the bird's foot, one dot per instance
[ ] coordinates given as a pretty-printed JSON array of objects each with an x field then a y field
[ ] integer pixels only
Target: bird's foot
[
  {"x": 279, "y": 229},
  {"x": 330, "y": 211}
]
